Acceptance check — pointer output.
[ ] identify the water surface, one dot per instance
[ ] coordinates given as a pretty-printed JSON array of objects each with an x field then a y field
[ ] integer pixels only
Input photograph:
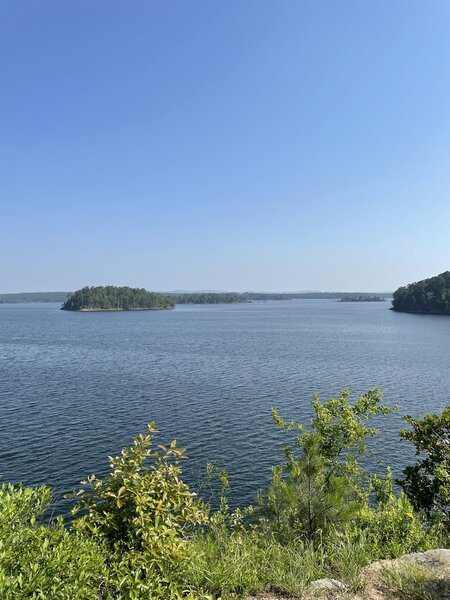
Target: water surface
[{"x": 75, "y": 387}]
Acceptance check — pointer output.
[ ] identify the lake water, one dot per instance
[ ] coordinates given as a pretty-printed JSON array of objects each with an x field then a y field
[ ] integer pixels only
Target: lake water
[{"x": 75, "y": 387}]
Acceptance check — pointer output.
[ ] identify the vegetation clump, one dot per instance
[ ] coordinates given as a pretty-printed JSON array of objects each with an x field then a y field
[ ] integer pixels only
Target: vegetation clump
[
  {"x": 115, "y": 298},
  {"x": 427, "y": 483},
  {"x": 210, "y": 298},
  {"x": 367, "y": 298},
  {"x": 429, "y": 296},
  {"x": 141, "y": 534}
]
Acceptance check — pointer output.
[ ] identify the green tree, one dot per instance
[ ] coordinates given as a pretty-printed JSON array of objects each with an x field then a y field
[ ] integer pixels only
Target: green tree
[
  {"x": 427, "y": 483},
  {"x": 321, "y": 481},
  {"x": 305, "y": 498}
]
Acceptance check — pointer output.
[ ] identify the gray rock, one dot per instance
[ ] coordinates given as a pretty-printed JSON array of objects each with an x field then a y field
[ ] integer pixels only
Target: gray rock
[
  {"x": 430, "y": 558},
  {"x": 331, "y": 585}
]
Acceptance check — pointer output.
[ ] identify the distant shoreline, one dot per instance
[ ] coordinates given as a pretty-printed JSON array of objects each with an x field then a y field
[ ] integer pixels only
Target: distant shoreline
[
  {"x": 120, "y": 309},
  {"x": 420, "y": 312},
  {"x": 197, "y": 297}
]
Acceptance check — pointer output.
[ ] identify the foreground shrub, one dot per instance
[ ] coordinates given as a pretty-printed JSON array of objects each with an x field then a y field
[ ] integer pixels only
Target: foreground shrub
[
  {"x": 44, "y": 561},
  {"x": 305, "y": 498},
  {"x": 392, "y": 529},
  {"x": 321, "y": 485},
  {"x": 143, "y": 511}
]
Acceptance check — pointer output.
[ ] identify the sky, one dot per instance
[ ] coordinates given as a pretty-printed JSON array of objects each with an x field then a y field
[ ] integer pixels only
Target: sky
[{"x": 238, "y": 145}]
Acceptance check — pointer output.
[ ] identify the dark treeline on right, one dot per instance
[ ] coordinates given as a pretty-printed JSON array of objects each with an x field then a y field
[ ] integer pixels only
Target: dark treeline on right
[{"x": 429, "y": 296}]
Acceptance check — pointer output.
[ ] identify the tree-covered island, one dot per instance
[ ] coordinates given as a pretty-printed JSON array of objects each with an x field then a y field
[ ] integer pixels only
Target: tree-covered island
[
  {"x": 429, "y": 296},
  {"x": 367, "y": 298},
  {"x": 99, "y": 298}
]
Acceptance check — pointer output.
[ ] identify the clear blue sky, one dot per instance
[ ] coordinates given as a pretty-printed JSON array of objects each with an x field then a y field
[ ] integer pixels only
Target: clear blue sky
[{"x": 236, "y": 145}]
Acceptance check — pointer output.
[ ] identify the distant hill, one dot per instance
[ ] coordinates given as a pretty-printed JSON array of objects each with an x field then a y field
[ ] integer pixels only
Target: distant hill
[
  {"x": 33, "y": 297},
  {"x": 98, "y": 298},
  {"x": 429, "y": 296}
]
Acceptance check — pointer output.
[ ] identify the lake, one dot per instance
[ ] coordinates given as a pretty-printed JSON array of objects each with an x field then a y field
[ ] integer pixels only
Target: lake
[{"x": 75, "y": 387}]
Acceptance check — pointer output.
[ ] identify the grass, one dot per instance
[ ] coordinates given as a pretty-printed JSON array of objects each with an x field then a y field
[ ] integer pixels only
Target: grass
[
  {"x": 409, "y": 581},
  {"x": 239, "y": 563}
]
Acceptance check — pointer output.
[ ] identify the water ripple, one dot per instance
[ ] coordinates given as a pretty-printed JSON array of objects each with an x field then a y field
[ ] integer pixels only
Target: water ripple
[{"x": 75, "y": 387}]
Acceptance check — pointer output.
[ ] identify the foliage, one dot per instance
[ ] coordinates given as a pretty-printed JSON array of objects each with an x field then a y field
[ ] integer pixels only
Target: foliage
[
  {"x": 142, "y": 510},
  {"x": 427, "y": 296},
  {"x": 340, "y": 427},
  {"x": 209, "y": 298},
  {"x": 320, "y": 485},
  {"x": 44, "y": 561},
  {"x": 115, "y": 298},
  {"x": 366, "y": 298},
  {"x": 389, "y": 526},
  {"x": 427, "y": 483},
  {"x": 306, "y": 499}
]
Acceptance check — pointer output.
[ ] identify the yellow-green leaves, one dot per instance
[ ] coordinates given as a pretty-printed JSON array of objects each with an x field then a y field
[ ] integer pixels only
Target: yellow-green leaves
[{"x": 143, "y": 510}]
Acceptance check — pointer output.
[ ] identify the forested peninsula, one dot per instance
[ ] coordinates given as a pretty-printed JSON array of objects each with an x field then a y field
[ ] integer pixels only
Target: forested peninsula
[
  {"x": 100, "y": 298},
  {"x": 429, "y": 296}
]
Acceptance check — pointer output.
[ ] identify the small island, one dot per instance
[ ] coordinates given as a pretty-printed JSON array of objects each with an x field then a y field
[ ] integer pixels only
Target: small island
[
  {"x": 361, "y": 299},
  {"x": 112, "y": 298},
  {"x": 429, "y": 296}
]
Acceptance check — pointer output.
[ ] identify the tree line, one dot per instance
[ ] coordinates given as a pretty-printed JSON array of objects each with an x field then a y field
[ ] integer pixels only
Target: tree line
[
  {"x": 209, "y": 298},
  {"x": 19, "y": 298}
]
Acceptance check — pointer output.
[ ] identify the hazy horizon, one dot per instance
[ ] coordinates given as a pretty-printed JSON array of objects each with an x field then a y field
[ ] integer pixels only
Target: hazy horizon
[
  {"x": 236, "y": 146},
  {"x": 210, "y": 291}
]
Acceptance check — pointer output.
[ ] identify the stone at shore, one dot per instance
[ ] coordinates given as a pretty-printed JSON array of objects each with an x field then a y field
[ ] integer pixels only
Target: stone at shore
[
  {"x": 327, "y": 584},
  {"x": 430, "y": 558}
]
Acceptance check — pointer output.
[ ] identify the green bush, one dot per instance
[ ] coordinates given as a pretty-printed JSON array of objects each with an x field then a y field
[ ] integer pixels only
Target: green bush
[
  {"x": 427, "y": 483},
  {"x": 44, "y": 561},
  {"x": 143, "y": 511},
  {"x": 305, "y": 498},
  {"x": 321, "y": 484},
  {"x": 392, "y": 529}
]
